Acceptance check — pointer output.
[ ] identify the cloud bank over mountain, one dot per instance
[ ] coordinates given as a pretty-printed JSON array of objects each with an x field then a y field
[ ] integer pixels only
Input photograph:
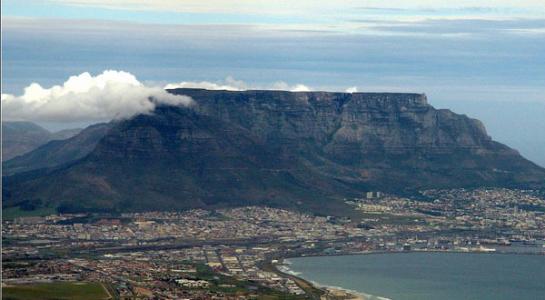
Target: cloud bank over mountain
[
  {"x": 109, "y": 95},
  {"x": 476, "y": 58},
  {"x": 232, "y": 84}
]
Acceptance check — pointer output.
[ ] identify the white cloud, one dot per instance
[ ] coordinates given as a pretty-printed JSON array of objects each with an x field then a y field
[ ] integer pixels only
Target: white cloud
[
  {"x": 283, "y": 86},
  {"x": 351, "y": 90},
  {"x": 232, "y": 84},
  {"x": 300, "y": 88},
  {"x": 327, "y": 15},
  {"x": 261, "y": 7},
  {"x": 107, "y": 96},
  {"x": 110, "y": 95},
  {"x": 304, "y": 7},
  {"x": 229, "y": 84}
]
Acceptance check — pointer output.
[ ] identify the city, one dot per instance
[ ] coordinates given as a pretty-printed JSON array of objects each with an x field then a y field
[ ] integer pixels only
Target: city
[{"x": 239, "y": 253}]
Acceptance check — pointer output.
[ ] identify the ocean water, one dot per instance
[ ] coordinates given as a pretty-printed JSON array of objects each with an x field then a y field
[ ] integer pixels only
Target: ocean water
[{"x": 421, "y": 276}]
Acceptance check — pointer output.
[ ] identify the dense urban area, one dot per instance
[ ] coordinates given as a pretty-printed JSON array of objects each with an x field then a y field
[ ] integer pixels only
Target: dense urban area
[{"x": 238, "y": 253}]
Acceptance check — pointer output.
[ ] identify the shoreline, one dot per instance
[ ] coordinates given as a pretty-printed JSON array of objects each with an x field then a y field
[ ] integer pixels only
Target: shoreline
[
  {"x": 417, "y": 251},
  {"x": 336, "y": 292},
  {"x": 327, "y": 291}
]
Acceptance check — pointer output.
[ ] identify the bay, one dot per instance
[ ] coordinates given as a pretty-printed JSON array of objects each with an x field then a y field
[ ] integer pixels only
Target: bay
[{"x": 430, "y": 275}]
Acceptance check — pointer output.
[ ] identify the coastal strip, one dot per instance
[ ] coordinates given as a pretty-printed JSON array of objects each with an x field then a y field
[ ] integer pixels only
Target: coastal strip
[
  {"x": 280, "y": 266},
  {"x": 313, "y": 289}
]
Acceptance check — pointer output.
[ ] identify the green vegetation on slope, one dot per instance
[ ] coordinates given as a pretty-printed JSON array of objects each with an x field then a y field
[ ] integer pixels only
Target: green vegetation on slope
[
  {"x": 232, "y": 286},
  {"x": 11, "y": 213}
]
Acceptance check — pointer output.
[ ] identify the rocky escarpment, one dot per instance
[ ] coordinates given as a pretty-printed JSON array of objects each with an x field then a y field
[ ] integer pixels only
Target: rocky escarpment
[
  {"x": 278, "y": 148},
  {"x": 387, "y": 140}
]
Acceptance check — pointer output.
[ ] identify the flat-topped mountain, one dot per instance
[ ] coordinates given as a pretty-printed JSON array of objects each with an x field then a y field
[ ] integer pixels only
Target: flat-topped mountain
[{"x": 302, "y": 149}]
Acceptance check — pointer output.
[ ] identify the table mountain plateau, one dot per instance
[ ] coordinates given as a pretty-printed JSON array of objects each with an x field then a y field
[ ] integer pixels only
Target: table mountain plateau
[{"x": 284, "y": 149}]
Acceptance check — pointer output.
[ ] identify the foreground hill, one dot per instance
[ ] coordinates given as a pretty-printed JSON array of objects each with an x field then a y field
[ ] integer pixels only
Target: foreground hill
[
  {"x": 304, "y": 149},
  {"x": 21, "y": 137}
]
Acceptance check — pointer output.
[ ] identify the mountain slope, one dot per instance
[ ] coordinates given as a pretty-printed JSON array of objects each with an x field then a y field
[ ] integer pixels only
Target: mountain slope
[
  {"x": 65, "y": 134},
  {"x": 57, "y": 152},
  {"x": 19, "y": 138},
  {"x": 174, "y": 159},
  {"x": 279, "y": 148}
]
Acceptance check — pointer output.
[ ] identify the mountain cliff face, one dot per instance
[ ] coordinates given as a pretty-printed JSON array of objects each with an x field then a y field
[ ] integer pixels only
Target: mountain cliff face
[
  {"x": 304, "y": 149},
  {"x": 385, "y": 140}
]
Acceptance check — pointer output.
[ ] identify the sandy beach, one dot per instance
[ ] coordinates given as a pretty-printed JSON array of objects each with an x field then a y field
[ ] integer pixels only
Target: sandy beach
[
  {"x": 329, "y": 292},
  {"x": 338, "y": 293}
]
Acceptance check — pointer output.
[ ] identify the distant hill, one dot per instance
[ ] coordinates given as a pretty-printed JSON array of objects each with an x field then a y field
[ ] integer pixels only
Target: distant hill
[
  {"x": 300, "y": 150},
  {"x": 65, "y": 134},
  {"x": 21, "y": 137},
  {"x": 58, "y": 151}
]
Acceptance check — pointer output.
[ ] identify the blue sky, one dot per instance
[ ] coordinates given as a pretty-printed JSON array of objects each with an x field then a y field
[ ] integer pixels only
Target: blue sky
[{"x": 482, "y": 58}]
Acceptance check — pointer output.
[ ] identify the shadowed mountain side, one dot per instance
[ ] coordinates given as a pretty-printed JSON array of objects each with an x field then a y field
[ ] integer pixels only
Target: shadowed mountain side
[
  {"x": 174, "y": 159},
  {"x": 305, "y": 149}
]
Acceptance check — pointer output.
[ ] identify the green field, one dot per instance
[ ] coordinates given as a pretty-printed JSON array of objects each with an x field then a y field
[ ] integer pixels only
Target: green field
[
  {"x": 56, "y": 290},
  {"x": 240, "y": 287},
  {"x": 11, "y": 213}
]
